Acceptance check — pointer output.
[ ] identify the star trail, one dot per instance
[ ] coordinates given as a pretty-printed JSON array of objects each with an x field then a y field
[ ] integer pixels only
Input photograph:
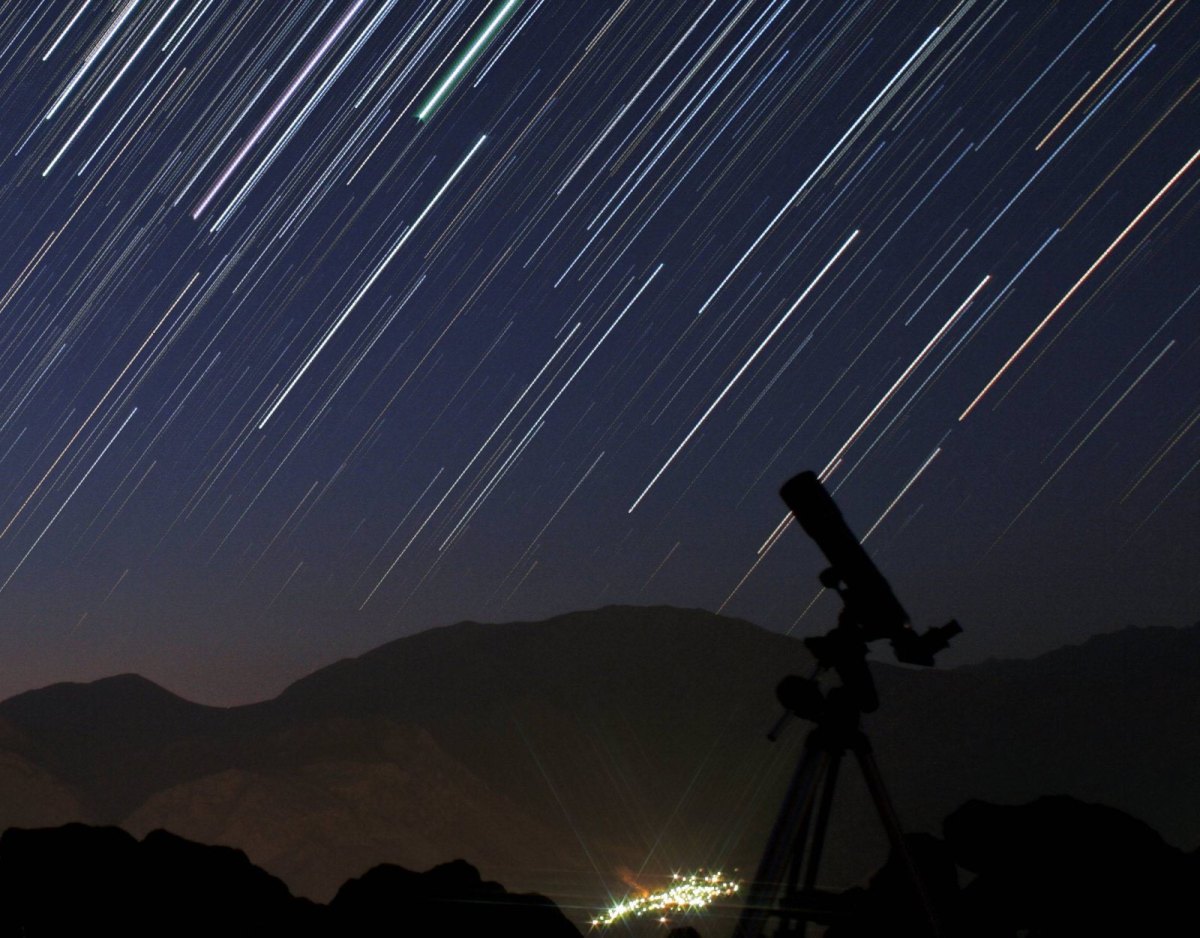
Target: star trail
[{"x": 329, "y": 321}]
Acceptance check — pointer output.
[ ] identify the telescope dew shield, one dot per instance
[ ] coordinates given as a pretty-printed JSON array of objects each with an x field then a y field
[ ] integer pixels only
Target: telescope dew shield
[{"x": 867, "y": 595}]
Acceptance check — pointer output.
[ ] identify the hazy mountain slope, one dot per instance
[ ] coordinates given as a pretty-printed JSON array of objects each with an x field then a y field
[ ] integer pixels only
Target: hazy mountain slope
[
  {"x": 602, "y": 726},
  {"x": 617, "y": 697},
  {"x": 33, "y": 797},
  {"x": 111, "y": 740},
  {"x": 318, "y": 821},
  {"x": 1115, "y": 720}
]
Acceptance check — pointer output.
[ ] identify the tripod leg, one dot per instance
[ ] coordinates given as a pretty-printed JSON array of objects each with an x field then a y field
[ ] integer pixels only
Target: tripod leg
[
  {"x": 782, "y": 846},
  {"x": 818, "y": 822},
  {"x": 891, "y": 823},
  {"x": 823, "y": 812}
]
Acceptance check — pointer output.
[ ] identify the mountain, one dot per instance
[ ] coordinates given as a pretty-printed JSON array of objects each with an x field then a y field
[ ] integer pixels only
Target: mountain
[
  {"x": 566, "y": 756},
  {"x": 113, "y": 741}
]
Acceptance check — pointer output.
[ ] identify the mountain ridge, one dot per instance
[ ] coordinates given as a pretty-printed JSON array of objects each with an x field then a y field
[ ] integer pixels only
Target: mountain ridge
[{"x": 1100, "y": 638}]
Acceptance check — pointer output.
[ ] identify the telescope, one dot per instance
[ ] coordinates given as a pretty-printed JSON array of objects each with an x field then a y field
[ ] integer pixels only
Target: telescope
[{"x": 870, "y": 612}]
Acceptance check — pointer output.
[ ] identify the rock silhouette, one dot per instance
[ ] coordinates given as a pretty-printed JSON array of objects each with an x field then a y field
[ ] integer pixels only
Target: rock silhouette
[
  {"x": 450, "y": 899},
  {"x": 74, "y": 879},
  {"x": 1056, "y": 867},
  {"x": 77, "y": 879},
  {"x": 1059, "y": 867}
]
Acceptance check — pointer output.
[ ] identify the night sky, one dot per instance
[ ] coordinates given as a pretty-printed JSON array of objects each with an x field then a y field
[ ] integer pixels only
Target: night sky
[{"x": 326, "y": 322}]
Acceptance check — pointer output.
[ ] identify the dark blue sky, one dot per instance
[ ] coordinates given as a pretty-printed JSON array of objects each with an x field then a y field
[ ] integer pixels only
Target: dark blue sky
[{"x": 323, "y": 323}]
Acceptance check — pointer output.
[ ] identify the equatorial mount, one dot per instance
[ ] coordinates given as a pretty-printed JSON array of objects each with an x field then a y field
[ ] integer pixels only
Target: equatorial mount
[{"x": 870, "y": 609}]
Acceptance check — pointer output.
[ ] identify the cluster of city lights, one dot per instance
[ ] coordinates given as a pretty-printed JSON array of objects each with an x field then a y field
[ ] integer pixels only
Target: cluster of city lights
[{"x": 686, "y": 893}]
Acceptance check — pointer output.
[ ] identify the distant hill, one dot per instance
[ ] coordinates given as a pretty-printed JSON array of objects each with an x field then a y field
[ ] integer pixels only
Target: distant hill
[
  {"x": 1115, "y": 720},
  {"x": 556, "y": 754}
]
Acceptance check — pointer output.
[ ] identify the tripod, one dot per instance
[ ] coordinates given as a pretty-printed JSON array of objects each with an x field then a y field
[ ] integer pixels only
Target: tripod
[{"x": 792, "y": 857}]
